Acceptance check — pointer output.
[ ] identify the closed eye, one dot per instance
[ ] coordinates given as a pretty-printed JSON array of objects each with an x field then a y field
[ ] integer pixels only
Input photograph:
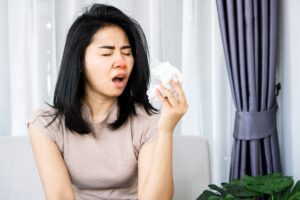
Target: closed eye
[{"x": 126, "y": 52}]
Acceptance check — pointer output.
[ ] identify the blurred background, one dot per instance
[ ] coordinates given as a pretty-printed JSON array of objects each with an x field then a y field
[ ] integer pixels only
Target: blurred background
[{"x": 184, "y": 32}]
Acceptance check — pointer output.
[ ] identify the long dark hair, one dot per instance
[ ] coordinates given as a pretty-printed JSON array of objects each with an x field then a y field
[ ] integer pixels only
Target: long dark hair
[{"x": 69, "y": 88}]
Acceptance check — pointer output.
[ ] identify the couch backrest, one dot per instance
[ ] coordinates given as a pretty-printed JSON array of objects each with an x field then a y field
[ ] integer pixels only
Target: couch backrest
[
  {"x": 19, "y": 179},
  {"x": 191, "y": 166}
]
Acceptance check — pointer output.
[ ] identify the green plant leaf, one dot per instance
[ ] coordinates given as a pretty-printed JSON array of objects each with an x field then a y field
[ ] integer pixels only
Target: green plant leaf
[
  {"x": 206, "y": 194},
  {"x": 237, "y": 189},
  {"x": 230, "y": 197},
  {"x": 295, "y": 189},
  {"x": 275, "y": 186},
  {"x": 268, "y": 184},
  {"x": 215, "y": 198},
  {"x": 221, "y": 191},
  {"x": 257, "y": 184},
  {"x": 285, "y": 193},
  {"x": 280, "y": 184},
  {"x": 296, "y": 196}
]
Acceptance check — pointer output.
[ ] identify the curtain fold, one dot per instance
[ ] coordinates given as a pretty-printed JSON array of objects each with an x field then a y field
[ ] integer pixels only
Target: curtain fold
[{"x": 249, "y": 33}]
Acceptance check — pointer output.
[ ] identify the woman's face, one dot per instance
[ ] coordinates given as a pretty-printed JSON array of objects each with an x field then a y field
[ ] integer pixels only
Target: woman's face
[{"x": 108, "y": 62}]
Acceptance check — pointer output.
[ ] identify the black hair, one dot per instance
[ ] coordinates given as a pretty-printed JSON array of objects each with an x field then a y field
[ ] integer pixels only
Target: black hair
[{"x": 69, "y": 88}]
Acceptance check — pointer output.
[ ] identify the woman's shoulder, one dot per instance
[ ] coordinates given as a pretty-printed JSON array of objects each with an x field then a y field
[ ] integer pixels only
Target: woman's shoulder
[
  {"x": 45, "y": 116},
  {"x": 143, "y": 115},
  {"x": 44, "y": 112},
  {"x": 46, "y": 121}
]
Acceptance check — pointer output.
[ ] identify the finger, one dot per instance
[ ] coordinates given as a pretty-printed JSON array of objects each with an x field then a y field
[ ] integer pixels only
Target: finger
[
  {"x": 172, "y": 99},
  {"x": 162, "y": 99},
  {"x": 177, "y": 87}
]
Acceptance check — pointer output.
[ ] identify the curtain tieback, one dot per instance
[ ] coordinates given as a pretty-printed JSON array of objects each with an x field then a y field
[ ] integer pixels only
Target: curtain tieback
[{"x": 255, "y": 125}]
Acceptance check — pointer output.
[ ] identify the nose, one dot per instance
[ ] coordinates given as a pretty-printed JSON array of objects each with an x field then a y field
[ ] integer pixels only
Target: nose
[{"x": 120, "y": 62}]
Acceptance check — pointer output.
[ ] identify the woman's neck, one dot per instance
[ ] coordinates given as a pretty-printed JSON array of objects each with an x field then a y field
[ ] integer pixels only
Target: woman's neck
[{"x": 99, "y": 106}]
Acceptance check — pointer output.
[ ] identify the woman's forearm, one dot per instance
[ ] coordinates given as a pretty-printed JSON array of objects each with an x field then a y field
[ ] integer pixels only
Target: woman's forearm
[{"x": 159, "y": 183}]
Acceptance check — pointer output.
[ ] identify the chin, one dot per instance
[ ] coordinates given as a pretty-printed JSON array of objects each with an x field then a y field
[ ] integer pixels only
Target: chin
[{"x": 116, "y": 93}]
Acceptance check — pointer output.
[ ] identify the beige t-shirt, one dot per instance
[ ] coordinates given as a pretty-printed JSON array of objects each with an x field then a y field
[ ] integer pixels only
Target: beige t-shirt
[{"x": 104, "y": 163}]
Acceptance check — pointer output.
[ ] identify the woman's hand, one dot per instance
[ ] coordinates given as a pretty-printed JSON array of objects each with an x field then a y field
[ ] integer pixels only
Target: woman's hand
[{"x": 172, "y": 108}]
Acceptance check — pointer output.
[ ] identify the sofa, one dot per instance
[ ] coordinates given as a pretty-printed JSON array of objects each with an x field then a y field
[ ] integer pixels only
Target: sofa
[{"x": 19, "y": 179}]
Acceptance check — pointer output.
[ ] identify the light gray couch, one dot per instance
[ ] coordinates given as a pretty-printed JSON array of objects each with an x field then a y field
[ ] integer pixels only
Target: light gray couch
[{"x": 19, "y": 179}]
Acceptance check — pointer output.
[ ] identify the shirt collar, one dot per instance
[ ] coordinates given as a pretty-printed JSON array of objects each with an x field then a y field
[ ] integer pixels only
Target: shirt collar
[{"x": 110, "y": 117}]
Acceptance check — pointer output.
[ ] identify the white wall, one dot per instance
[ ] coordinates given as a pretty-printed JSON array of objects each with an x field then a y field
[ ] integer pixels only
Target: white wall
[{"x": 289, "y": 76}]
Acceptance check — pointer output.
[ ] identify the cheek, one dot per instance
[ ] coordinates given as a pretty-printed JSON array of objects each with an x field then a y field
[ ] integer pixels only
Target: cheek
[
  {"x": 93, "y": 64},
  {"x": 90, "y": 62},
  {"x": 95, "y": 70}
]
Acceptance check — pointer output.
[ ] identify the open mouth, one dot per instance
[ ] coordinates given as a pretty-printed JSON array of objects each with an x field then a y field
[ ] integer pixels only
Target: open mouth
[{"x": 120, "y": 81}]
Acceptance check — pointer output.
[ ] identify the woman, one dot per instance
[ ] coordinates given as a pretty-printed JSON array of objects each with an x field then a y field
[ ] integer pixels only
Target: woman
[{"x": 102, "y": 139}]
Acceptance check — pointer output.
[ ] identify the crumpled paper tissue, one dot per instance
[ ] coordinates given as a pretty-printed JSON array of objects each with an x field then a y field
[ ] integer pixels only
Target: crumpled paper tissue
[{"x": 163, "y": 72}]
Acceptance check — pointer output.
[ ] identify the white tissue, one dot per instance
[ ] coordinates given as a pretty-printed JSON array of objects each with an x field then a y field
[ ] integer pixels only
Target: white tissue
[{"x": 164, "y": 72}]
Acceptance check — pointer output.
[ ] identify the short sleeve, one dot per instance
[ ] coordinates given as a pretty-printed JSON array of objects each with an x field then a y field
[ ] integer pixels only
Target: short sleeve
[
  {"x": 40, "y": 119},
  {"x": 144, "y": 128},
  {"x": 150, "y": 132}
]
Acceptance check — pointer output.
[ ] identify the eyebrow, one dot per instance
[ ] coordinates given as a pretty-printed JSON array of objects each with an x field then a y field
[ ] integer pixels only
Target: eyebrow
[{"x": 113, "y": 47}]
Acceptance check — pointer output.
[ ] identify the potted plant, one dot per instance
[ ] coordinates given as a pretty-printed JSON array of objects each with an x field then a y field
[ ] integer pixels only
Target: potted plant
[{"x": 273, "y": 186}]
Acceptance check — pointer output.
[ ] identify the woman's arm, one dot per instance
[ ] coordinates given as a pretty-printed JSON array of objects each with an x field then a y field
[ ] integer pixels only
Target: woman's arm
[
  {"x": 52, "y": 169},
  {"x": 155, "y": 179}
]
